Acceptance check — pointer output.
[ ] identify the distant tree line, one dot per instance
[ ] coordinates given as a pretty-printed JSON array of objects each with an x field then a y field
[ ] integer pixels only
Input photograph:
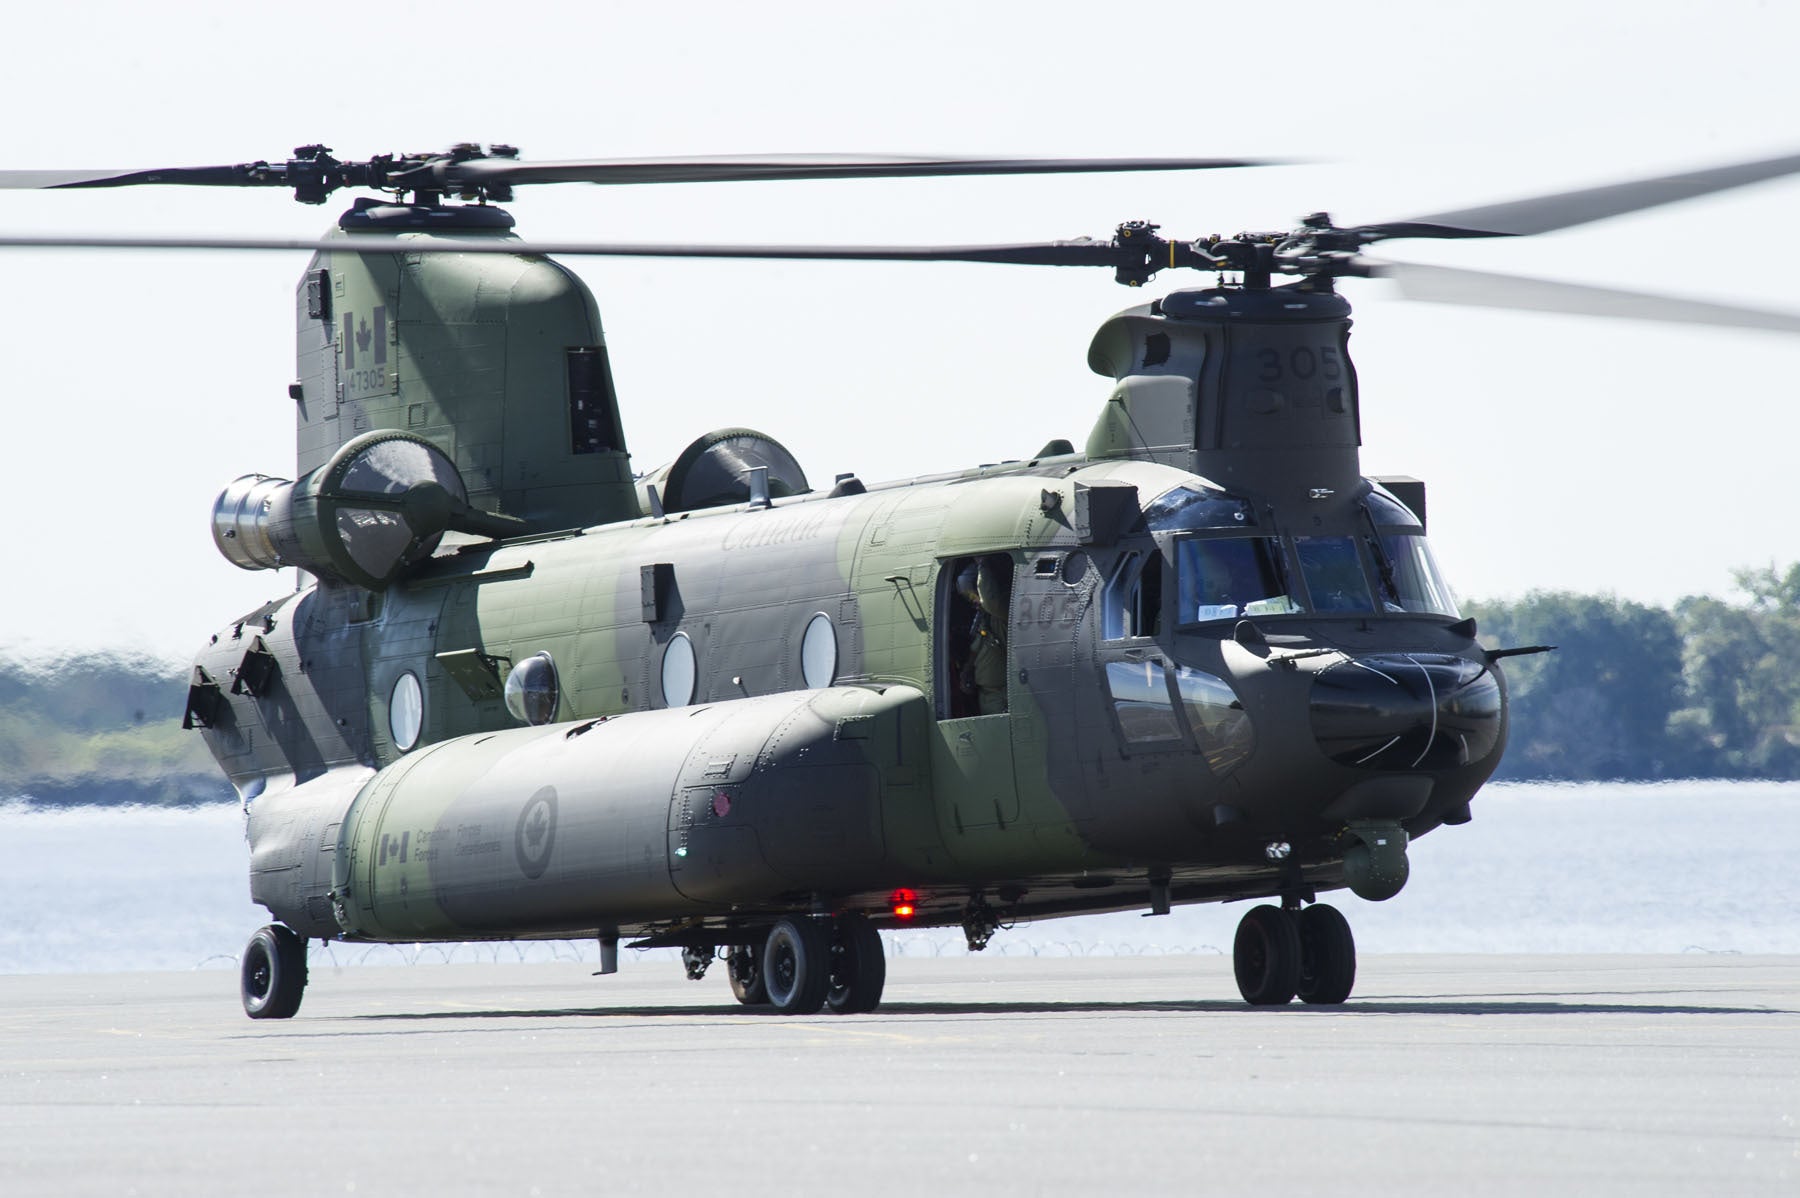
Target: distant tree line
[
  {"x": 101, "y": 729},
  {"x": 1707, "y": 689}
]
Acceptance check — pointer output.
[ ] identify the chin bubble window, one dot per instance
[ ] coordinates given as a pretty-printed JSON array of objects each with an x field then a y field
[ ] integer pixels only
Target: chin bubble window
[
  {"x": 1218, "y": 719},
  {"x": 533, "y": 690},
  {"x": 679, "y": 671},
  {"x": 406, "y": 711},
  {"x": 1140, "y": 692}
]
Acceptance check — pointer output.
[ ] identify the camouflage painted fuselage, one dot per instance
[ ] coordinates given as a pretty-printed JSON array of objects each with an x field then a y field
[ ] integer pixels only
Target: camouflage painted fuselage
[
  {"x": 1013, "y": 700},
  {"x": 634, "y": 812}
]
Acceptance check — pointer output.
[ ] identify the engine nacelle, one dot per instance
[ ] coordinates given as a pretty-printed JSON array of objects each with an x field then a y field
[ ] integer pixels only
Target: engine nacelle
[
  {"x": 382, "y": 503},
  {"x": 243, "y": 519}
]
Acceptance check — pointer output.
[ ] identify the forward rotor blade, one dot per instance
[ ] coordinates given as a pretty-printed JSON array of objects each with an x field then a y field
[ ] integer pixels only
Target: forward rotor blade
[
  {"x": 1562, "y": 210},
  {"x": 1481, "y": 289},
  {"x": 193, "y": 176},
  {"x": 740, "y": 167},
  {"x": 1054, "y": 253}
]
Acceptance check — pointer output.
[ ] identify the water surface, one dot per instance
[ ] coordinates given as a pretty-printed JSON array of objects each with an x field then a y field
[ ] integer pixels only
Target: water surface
[{"x": 1672, "y": 867}]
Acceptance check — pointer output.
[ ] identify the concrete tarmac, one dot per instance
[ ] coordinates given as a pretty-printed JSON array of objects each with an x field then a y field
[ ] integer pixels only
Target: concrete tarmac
[{"x": 1467, "y": 1075}]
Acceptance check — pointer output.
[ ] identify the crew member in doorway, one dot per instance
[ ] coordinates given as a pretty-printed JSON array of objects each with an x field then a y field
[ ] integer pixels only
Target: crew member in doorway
[{"x": 987, "y": 584}]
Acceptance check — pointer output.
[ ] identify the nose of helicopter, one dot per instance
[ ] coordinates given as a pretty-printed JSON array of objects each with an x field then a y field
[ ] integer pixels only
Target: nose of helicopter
[{"x": 1407, "y": 711}]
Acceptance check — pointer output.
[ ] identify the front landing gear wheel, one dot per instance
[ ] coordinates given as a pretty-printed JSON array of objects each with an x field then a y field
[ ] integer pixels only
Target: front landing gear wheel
[
  {"x": 272, "y": 978},
  {"x": 858, "y": 966},
  {"x": 743, "y": 965},
  {"x": 1266, "y": 956},
  {"x": 797, "y": 965},
  {"x": 1327, "y": 955}
]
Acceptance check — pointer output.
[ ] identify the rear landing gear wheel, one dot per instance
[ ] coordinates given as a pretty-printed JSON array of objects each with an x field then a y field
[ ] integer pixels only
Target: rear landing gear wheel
[
  {"x": 743, "y": 965},
  {"x": 858, "y": 966},
  {"x": 797, "y": 965},
  {"x": 1327, "y": 955},
  {"x": 272, "y": 977},
  {"x": 1266, "y": 956}
]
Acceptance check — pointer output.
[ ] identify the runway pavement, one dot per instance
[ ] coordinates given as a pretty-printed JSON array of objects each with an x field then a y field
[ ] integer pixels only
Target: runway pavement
[{"x": 1467, "y": 1075}]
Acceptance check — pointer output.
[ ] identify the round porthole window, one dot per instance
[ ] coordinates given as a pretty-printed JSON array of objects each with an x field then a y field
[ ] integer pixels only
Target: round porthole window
[
  {"x": 406, "y": 712},
  {"x": 678, "y": 672},
  {"x": 532, "y": 690},
  {"x": 818, "y": 652}
]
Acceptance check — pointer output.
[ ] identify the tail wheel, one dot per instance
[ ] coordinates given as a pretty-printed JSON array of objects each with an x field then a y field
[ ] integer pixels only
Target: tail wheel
[
  {"x": 272, "y": 977},
  {"x": 1266, "y": 956},
  {"x": 796, "y": 965},
  {"x": 743, "y": 965},
  {"x": 858, "y": 966},
  {"x": 1327, "y": 955}
]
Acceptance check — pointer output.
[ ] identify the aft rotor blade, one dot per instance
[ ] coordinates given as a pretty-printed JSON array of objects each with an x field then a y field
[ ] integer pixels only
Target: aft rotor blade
[
  {"x": 742, "y": 167},
  {"x": 1481, "y": 289},
  {"x": 1054, "y": 253},
  {"x": 1562, "y": 210},
  {"x": 444, "y": 173}
]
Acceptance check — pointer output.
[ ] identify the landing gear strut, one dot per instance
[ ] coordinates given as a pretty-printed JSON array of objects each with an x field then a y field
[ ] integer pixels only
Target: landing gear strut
[
  {"x": 1279, "y": 954},
  {"x": 272, "y": 978}
]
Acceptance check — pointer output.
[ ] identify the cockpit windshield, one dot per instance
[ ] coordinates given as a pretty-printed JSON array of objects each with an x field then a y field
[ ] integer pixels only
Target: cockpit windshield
[
  {"x": 1334, "y": 574},
  {"x": 1224, "y": 571},
  {"x": 1224, "y": 578}
]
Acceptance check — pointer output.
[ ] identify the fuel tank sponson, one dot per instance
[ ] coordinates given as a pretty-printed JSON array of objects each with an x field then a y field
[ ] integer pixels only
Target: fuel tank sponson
[
  {"x": 534, "y": 830},
  {"x": 293, "y": 834}
]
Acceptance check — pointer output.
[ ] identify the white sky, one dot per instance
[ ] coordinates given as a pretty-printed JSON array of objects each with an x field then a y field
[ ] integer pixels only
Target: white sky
[{"x": 1584, "y": 454}]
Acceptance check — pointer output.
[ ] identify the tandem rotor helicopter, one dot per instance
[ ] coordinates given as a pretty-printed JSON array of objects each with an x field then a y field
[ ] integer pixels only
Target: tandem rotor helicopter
[{"x": 721, "y": 707}]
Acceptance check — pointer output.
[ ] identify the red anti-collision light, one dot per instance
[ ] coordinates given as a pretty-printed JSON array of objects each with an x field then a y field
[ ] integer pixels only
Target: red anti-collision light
[{"x": 904, "y": 903}]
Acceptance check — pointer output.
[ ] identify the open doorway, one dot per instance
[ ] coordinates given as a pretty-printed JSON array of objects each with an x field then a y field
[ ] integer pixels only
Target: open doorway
[{"x": 975, "y": 635}]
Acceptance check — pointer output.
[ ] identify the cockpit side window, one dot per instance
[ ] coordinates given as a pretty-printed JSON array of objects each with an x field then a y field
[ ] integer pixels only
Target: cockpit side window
[
  {"x": 1411, "y": 581},
  {"x": 1407, "y": 576},
  {"x": 1131, "y": 604}
]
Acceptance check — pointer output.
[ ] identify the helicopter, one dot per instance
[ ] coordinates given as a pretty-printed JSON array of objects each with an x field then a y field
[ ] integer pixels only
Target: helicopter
[{"x": 526, "y": 692}]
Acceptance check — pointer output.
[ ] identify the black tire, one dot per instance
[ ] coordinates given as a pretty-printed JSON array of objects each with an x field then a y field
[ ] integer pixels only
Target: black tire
[
  {"x": 858, "y": 966},
  {"x": 743, "y": 965},
  {"x": 272, "y": 977},
  {"x": 796, "y": 965},
  {"x": 1327, "y": 956},
  {"x": 1266, "y": 956}
]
